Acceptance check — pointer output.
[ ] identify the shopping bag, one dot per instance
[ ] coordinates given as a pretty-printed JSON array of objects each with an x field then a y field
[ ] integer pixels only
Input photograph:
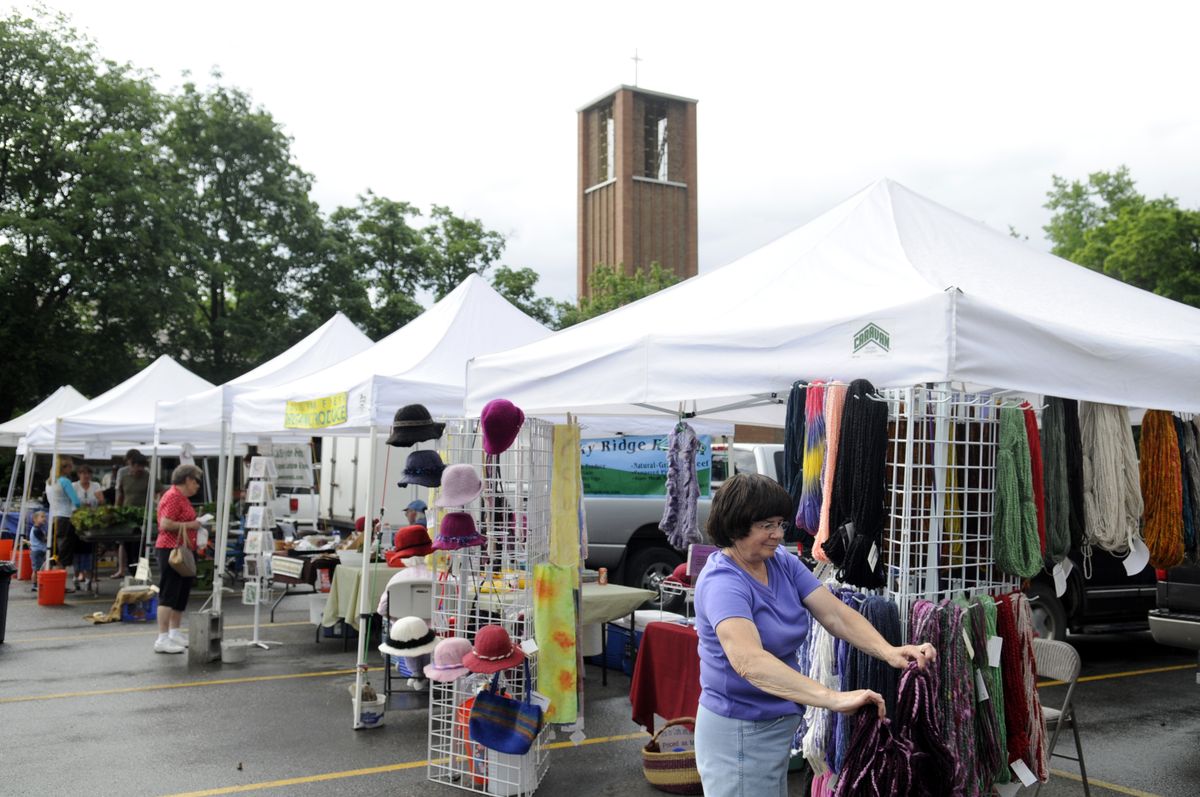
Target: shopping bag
[
  {"x": 181, "y": 559},
  {"x": 502, "y": 723},
  {"x": 142, "y": 573}
]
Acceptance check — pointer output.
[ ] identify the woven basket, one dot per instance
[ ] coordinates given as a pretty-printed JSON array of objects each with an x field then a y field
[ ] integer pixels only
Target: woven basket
[{"x": 671, "y": 772}]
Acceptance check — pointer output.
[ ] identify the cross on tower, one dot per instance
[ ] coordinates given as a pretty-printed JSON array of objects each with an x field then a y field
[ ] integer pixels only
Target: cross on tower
[{"x": 636, "y": 61}]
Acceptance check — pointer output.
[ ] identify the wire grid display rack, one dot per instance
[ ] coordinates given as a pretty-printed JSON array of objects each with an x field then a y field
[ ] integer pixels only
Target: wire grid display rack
[
  {"x": 492, "y": 583},
  {"x": 941, "y": 474}
]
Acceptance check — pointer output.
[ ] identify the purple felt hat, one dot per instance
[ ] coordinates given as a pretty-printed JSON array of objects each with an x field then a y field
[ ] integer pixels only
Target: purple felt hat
[
  {"x": 457, "y": 530},
  {"x": 501, "y": 421},
  {"x": 460, "y": 486},
  {"x": 447, "y": 660}
]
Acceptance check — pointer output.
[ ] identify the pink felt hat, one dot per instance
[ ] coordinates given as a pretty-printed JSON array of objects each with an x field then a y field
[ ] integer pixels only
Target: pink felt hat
[
  {"x": 460, "y": 486},
  {"x": 501, "y": 421},
  {"x": 447, "y": 664},
  {"x": 457, "y": 530},
  {"x": 494, "y": 650}
]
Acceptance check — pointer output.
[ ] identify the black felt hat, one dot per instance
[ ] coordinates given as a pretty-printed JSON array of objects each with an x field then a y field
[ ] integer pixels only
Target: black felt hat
[{"x": 412, "y": 425}]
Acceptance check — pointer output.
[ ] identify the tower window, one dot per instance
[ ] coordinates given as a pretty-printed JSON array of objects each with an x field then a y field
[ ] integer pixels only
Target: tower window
[
  {"x": 606, "y": 167},
  {"x": 655, "y": 135}
]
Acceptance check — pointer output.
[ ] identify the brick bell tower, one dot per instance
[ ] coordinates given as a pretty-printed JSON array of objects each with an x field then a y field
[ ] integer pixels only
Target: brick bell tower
[{"x": 637, "y": 183}]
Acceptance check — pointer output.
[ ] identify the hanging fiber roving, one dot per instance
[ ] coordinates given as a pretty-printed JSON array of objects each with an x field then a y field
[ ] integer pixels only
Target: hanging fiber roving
[
  {"x": 793, "y": 440},
  {"x": 1111, "y": 490},
  {"x": 1035, "y": 467},
  {"x": 1025, "y": 727},
  {"x": 1162, "y": 489},
  {"x": 808, "y": 516},
  {"x": 859, "y": 485},
  {"x": 1191, "y": 450},
  {"x": 1015, "y": 545},
  {"x": 1074, "y": 444},
  {"x": 1189, "y": 529},
  {"x": 835, "y": 400},
  {"x": 1054, "y": 481},
  {"x": 683, "y": 489}
]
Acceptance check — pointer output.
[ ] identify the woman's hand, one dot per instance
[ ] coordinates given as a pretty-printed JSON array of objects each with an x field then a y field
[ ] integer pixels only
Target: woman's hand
[
  {"x": 899, "y": 657},
  {"x": 850, "y": 702}
]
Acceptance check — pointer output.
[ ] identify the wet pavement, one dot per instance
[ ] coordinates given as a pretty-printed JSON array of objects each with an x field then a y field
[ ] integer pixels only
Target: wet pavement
[{"x": 93, "y": 710}]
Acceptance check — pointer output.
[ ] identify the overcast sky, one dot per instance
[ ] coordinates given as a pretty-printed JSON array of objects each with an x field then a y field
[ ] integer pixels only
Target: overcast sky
[{"x": 473, "y": 105}]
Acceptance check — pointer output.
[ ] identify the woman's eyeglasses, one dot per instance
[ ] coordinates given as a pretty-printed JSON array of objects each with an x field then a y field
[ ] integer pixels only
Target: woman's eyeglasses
[{"x": 771, "y": 525}]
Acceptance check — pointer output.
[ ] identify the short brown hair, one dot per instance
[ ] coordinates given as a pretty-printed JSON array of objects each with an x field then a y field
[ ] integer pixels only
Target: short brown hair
[
  {"x": 184, "y": 472},
  {"x": 742, "y": 501}
]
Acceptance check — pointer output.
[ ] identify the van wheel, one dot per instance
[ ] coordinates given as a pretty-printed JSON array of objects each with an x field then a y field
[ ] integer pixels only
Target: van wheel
[
  {"x": 648, "y": 567},
  {"x": 1049, "y": 616}
]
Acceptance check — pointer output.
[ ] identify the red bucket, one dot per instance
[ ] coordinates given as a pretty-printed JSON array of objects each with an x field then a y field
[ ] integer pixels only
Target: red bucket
[
  {"x": 6, "y": 549},
  {"x": 52, "y": 587},
  {"x": 24, "y": 566}
]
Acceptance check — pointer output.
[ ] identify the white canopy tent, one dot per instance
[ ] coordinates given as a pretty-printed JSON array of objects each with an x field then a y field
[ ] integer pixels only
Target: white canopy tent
[
  {"x": 423, "y": 362},
  {"x": 889, "y": 286},
  {"x": 60, "y": 402},
  {"x": 206, "y": 415}
]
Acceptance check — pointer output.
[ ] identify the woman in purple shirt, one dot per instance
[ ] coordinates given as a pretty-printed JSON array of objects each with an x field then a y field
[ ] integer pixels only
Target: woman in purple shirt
[{"x": 753, "y": 606}]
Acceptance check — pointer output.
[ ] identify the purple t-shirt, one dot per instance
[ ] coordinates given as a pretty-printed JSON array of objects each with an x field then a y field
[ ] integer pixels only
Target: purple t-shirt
[{"x": 725, "y": 590}]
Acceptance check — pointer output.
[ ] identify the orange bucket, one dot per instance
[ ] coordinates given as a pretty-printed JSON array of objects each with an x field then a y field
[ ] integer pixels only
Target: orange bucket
[
  {"x": 52, "y": 587},
  {"x": 24, "y": 566},
  {"x": 6, "y": 549}
]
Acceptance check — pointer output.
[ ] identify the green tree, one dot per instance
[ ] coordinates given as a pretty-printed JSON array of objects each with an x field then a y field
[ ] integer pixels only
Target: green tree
[
  {"x": 454, "y": 249},
  {"x": 519, "y": 287},
  {"x": 87, "y": 227},
  {"x": 1104, "y": 223},
  {"x": 251, "y": 232},
  {"x": 610, "y": 287}
]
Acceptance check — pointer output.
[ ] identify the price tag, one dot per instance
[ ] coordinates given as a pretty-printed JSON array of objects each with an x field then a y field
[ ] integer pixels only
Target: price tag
[
  {"x": 1067, "y": 566},
  {"x": 981, "y": 692},
  {"x": 578, "y": 736},
  {"x": 1139, "y": 556},
  {"x": 967, "y": 642},
  {"x": 1021, "y": 770},
  {"x": 540, "y": 700},
  {"x": 995, "y": 648},
  {"x": 1060, "y": 580},
  {"x": 873, "y": 557},
  {"x": 529, "y": 646}
]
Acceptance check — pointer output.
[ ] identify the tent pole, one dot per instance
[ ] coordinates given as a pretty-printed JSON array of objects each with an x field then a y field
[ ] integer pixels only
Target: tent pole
[
  {"x": 29, "y": 468},
  {"x": 224, "y": 471},
  {"x": 12, "y": 485},
  {"x": 364, "y": 591},
  {"x": 151, "y": 487},
  {"x": 53, "y": 555}
]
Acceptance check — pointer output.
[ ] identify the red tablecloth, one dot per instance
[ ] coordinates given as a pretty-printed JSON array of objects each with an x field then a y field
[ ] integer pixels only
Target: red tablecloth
[{"x": 666, "y": 678}]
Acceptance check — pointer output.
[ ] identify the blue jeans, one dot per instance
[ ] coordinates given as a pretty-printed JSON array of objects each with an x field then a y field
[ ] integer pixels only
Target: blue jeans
[{"x": 743, "y": 758}]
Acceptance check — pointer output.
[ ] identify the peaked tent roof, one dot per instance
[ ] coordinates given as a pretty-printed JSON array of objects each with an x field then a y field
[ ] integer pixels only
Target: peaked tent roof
[
  {"x": 60, "y": 402},
  {"x": 198, "y": 417},
  {"x": 423, "y": 362},
  {"x": 124, "y": 413},
  {"x": 950, "y": 300}
]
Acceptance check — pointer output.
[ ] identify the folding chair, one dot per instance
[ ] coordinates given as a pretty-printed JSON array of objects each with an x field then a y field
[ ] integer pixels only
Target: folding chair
[
  {"x": 405, "y": 599},
  {"x": 1060, "y": 661}
]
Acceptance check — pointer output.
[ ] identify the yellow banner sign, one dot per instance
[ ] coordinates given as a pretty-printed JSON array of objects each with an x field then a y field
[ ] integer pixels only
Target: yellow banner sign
[{"x": 315, "y": 413}]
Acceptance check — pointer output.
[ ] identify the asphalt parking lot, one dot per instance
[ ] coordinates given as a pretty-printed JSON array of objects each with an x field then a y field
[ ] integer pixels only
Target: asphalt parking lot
[{"x": 93, "y": 710}]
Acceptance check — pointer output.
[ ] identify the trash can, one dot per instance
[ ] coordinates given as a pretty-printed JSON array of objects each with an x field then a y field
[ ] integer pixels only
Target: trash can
[{"x": 7, "y": 571}]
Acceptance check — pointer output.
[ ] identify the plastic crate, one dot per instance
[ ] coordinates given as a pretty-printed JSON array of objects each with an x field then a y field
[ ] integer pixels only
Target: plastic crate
[
  {"x": 140, "y": 611},
  {"x": 619, "y": 652}
]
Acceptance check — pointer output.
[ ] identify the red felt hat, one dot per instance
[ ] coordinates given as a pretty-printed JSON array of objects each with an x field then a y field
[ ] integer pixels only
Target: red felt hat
[
  {"x": 494, "y": 650},
  {"x": 412, "y": 541}
]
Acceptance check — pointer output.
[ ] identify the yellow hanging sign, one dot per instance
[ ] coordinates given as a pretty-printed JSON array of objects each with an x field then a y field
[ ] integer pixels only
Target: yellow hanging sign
[{"x": 315, "y": 413}]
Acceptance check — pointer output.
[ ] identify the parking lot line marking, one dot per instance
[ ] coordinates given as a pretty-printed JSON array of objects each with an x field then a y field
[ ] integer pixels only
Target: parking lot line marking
[
  {"x": 1127, "y": 674},
  {"x": 1110, "y": 786},
  {"x": 147, "y": 630},
  {"x": 253, "y": 679},
  {"x": 380, "y": 770}
]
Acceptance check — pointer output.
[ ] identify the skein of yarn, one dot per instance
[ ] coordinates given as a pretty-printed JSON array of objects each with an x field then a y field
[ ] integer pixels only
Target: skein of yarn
[
  {"x": 1192, "y": 457},
  {"x": 1111, "y": 491},
  {"x": 1015, "y": 538},
  {"x": 1077, "y": 520},
  {"x": 1025, "y": 726},
  {"x": 1162, "y": 489},
  {"x": 808, "y": 516},
  {"x": 793, "y": 440},
  {"x": 1189, "y": 529},
  {"x": 835, "y": 402},
  {"x": 1035, "y": 467},
  {"x": 1054, "y": 479},
  {"x": 859, "y": 486}
]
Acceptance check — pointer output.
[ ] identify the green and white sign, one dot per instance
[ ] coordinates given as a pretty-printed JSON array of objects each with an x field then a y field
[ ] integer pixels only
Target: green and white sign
[{"x": 636, "y": 466}]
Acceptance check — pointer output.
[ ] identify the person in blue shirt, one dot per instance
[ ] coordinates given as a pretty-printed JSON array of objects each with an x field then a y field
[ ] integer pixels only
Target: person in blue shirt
[
  {"x": 39, "y": 539},
  {"x": 60, "y": 492}
]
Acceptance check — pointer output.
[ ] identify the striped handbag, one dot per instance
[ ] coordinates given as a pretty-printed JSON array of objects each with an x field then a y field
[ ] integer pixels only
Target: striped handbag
[
  {"x": 502, "y": 723},
  {"x": 673, "y": 772}
]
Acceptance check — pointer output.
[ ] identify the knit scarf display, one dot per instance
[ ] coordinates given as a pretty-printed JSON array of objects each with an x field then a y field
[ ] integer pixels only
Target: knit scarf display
[
  {"x": 683, "y": 489},
  {"x": 835, "y": 400},
  {"x": 1111, "y": 491},
  {"x": 808, "y": 515},
  {"x": 795, "y": 424},
  {"x": 859, "y": 485},
  {"x": 1015, "y": 544},
  {"x": 1055, "y": 485},
  {"x": 1035, "y": 467},
  {"x": 554, "y": 630},
  {"x": 1162, "y": 489}
]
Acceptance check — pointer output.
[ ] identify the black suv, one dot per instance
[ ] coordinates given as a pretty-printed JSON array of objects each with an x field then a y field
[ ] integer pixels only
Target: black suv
[
  {"x": 1108, "y": 601},
  {"x": 1176, "y": 621}
]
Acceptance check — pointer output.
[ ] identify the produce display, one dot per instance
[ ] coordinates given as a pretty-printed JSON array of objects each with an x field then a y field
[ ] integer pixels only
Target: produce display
[{"x": 105, "y": 516}]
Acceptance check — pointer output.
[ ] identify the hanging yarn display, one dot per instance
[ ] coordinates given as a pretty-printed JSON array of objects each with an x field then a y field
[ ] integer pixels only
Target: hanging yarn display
[
  {"x": 1035, "y": 468},
  {"x": 683, "y": 489},
  {"x": 793, "y": 440},
  {"x": 1192, "y": 459},
  {"x": 859, "y": 485},
  {"x": 817, "y": 724},
  {"x": 1054, "y": 481},
  {"x": 988, "y": 753},
  {"x": 1111, "y": 491},
  {"x": 994, "y": 680},
  {"x": 1015, "y": 538},
  {"x": 1025, "y": 728},
  {"x": 808, "y": 515},
  {"x": 1189, "y": 530},
  {"x": 1162, "y": 489},
  {"x": 1077, "y": 520},
  {"x": 835, "y": 402}
]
